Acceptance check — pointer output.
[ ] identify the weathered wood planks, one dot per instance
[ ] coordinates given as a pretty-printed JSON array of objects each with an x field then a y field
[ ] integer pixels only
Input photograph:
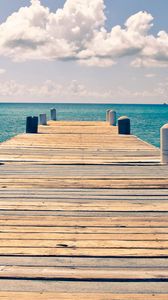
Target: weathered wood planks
[
  {"x": 76, "y": 143},
  {"x": 83, "y": 215}
]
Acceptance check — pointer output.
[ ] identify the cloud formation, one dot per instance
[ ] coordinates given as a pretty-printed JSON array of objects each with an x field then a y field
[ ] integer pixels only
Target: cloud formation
[
  {"x": 150, "y": 75},
  {"x": 50, "y": 90},
  {"x": 77, "y": 32},
  {"x": 2, "y": 71}
]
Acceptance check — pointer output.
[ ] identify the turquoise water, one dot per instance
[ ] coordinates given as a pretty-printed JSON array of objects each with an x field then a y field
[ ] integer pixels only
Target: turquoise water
[{"x": 146, "y": 120}]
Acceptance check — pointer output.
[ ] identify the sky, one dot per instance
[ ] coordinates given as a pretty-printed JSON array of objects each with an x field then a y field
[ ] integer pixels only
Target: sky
[{"x": 85, "y": 51}]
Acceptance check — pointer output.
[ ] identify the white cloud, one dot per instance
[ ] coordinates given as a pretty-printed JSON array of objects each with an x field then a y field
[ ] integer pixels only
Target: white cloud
[
  {"x": 150, "y": 75},
  {"x": 11, "y": 88},
  {"x": 2, "y": 71},
  {"x": 48, "y": 89},
  {"x": 162, "y": 89},
  {"x": 54, "y": 91},
  {"x": 77, "y": 32}
]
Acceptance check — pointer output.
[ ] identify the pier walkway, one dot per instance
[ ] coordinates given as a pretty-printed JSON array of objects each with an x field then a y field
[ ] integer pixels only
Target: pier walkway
[{"x": 83, "y": 215}]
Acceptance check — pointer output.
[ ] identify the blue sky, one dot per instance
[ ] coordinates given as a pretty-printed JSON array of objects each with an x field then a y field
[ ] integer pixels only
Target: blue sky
[{"x": 74, "y": 57}]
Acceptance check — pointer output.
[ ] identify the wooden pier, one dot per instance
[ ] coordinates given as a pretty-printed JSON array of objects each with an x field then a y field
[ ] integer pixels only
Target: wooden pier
[{"x": 83, "y": 215}]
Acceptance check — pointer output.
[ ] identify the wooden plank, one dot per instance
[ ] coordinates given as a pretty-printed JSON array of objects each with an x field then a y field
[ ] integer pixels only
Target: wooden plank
[
  {"x": 77, "y": 296},
  {"x": 85, "y": 214},
  {"x": 83, "y": 229},
  {"x": 91, "y": 252},
  {"x": 26, "y": 272},
  {"x": 85, "y": 236},
  {"x": 85, "y": 206},
  {"x": 133, "y": 221},
  {"x": 148, "y": 183},
  {"x": 42, "y": 286},
  {"x": 86, "y": 171},
  {"x": 84, "y": 262},
  {"x": 97, "y": 244},
  {"x": 79, "y": 193}
]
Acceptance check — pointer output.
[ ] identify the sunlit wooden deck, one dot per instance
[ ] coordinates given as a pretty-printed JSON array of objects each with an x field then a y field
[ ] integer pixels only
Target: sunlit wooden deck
[{"x": 83, "y": 215}]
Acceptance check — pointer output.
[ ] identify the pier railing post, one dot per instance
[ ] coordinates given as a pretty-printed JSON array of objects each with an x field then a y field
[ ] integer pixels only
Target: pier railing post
[
  {"x": 43, "y": 119},
  {"x": 107, "y": 115},
  {"x": 32, "y": 125},
  {"x": 112, "y": 117},
  {"x": 124, "y": 125},
  {"x": 164, "y": 144},
  {"x": 53, "y": 114}
]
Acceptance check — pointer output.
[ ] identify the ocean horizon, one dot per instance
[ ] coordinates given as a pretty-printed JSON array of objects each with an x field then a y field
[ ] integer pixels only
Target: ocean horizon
[{"x": 146, "y": 119}]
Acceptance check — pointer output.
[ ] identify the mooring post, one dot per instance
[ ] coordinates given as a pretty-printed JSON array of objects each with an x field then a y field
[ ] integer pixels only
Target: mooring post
[
  {"x": 43, "y": 119},
  {"x": 32, "y": 125},
  {"x": 164, "y": 144},
  {"x": 124, "y": 125},
  {"x": 112, "y": 117},
  {"x": 53, "y": 114},
  {"x": 107, "y": 115}
]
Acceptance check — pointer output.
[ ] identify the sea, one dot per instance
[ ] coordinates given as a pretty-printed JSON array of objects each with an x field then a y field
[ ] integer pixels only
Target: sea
[{"x": 146, "y": 120}]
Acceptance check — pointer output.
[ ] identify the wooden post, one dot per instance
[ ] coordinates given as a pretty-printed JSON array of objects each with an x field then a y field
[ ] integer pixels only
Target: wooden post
[
  {"x": 112, "y": 118},
  {"x": 164, "y": 144},
  {"x": 32, "y": 125},
  {"x": 124, "y": 126},
  {"x": 43, "y": 119},
  {"x": 53, "y": 114},
  {"x": 107, "y": 115}
]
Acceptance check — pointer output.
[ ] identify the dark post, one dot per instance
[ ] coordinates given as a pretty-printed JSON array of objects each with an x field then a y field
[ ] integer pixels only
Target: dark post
[
  {"x": 53, "y": 114},
  {"x": 32, "y": 125},
  {"x": 43, "y": 119},
  {"x": 124, "y": 125}
]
